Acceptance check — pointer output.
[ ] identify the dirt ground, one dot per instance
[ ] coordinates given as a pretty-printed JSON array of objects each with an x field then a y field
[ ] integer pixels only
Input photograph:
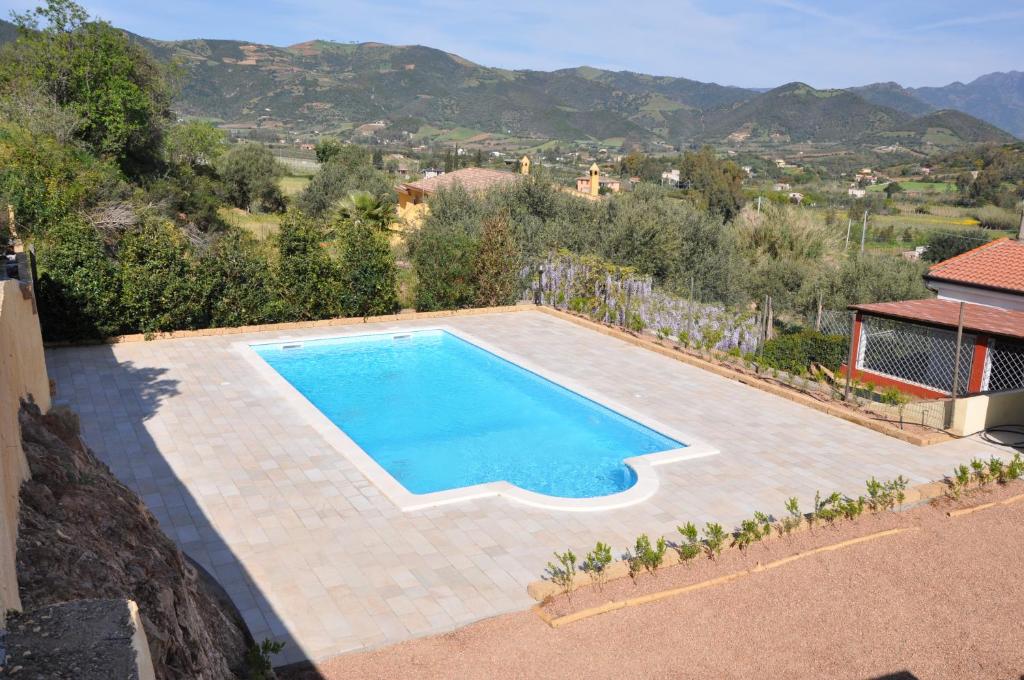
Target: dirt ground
[{"x": 943, "y": 601}]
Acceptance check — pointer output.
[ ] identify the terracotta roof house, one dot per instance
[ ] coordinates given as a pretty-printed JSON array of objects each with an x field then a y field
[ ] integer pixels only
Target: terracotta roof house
[
  {"x": 912, "y": 344},
  {"x": 992, "y": 274},
  {"x": 412, "y": 196}
]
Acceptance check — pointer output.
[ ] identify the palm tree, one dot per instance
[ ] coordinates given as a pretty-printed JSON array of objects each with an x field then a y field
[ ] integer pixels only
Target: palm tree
[{"x": 363, "y": 208}]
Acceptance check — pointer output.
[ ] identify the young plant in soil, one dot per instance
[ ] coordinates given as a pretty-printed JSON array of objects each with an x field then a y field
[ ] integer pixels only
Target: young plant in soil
[
  {"x": 897, "y": 489},
  {"x": 564, "y": 573},
  {"x": 851, "y": 508},
  {"x": 959, "y": 481},
  {"x": 980, "y": 471},
  {"x": 1015, "y": 468},
  {"x": 596, "y": 564},
  {"x": 997, "y": 470},
  {"x": 646, "y": 556},
  {"x": 690, "y": 547},
  {"x": 825, "y": 508},
  {"x": 764, "y": 523},
  {"x": 791, "y": 522},
  {"x": 714, "y": 539}
]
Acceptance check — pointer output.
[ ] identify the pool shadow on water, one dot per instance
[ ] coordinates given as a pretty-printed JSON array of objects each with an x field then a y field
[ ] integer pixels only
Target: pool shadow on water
[{"x": 116, "y": 400}]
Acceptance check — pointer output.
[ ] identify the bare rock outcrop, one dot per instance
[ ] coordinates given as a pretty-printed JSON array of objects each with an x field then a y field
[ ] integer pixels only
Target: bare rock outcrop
[{"x": 84, "y": 535}]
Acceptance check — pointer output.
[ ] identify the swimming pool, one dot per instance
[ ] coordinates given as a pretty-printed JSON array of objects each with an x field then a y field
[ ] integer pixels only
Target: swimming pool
[{"x": 439, "y": 413}]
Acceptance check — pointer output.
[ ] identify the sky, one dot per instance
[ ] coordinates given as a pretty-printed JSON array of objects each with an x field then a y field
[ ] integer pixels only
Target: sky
[{"x": 756, "y": 43}]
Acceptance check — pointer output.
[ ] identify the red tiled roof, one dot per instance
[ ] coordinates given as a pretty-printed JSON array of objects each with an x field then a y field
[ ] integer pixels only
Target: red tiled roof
[
  {"x": 998, "y": 264},
  {"x": 471, "y": 179},
  {"x": 946, "y": 314}
]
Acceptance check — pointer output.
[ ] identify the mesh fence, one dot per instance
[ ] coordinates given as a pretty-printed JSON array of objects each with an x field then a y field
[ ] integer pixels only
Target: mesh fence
[
  {"x": 931, "y": 413},
  {"x": 833, "y": 322},
  {"x": 1005, "y": 368},
  {"x": 913, "y": 353}
]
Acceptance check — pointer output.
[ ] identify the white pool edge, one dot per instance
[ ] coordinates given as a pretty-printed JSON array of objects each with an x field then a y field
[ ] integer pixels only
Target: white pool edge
[{"x": 646, "y": 485}]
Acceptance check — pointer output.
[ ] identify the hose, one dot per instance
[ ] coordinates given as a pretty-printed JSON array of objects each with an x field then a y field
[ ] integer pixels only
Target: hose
[{"x": 986, "y": 435}]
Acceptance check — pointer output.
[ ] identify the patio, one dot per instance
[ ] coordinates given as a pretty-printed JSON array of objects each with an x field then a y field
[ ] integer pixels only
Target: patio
[{"x": 314, "y": 554}]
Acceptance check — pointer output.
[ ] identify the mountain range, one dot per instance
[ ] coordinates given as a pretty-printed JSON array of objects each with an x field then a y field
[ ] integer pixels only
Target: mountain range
[{"x": 336, "y": 87}]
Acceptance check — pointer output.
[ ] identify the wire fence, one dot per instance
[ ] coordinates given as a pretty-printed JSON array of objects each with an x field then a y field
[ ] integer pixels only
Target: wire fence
[
  {"x": 1004, "y": 369},
  {"x": 916, "y": 354}
]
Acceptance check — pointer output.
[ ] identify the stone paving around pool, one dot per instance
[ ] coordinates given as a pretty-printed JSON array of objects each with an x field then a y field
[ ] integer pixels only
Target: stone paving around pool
[{"x": 313, "y": 554}]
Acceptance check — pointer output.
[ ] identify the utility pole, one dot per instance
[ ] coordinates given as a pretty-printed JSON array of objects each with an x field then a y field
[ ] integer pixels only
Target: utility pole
[
  {"x": 864, "y": 231},
  {"x": 849, "y": 226},
  {"x": 759, "y": 212}
]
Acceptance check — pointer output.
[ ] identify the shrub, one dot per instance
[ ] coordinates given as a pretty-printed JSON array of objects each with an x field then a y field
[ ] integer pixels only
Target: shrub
[
  {"x": 997, "y": 470},
  {"x": 690, "y": 547},
  {"x": 596, "y": 563},
  {"x": 714, "y": 539},
  {"x": 160, "y": 286},
  {"x": 794, "y": 516},
  {"x": 851, "y": 508},
  {"x": 980, "y": 470},
  {"x": 994, "y": 217},
  {"x": 796, "y": 352},
  {"x": 564, "y": 573},
  {"x": 79, "y": 284},
  {"x": 250, "y": 173},
  {"x": 444, "y": 258},
  {"x": 646, "y": 556},
  {"x": 369, "y": 277},
  {"x": 825, "y": 509},
  {"x": 257, "y": 659},
  {"x": 310, "y": 282},
  {"x": 942, "y": 245},
  {"x": 237, "y": 281},
  {"x": 1015, "y": 469},
  {"x": 959, "y": 481},
  {"x": 498, "y": 262}
]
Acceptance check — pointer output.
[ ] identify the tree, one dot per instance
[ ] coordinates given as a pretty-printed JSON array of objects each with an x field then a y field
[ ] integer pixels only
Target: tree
[
  {"x": 111, "y": 83},
  {"x": 310, "y": 283},
  {"x": 250, "y": 173},
  {"x": 499, "y": 261},
  {"x": 195, "y": 144},
  {"x": 327, "y": 148},
  {"x": 892, "y": 188},
  {"x": 47, "y": 182},
  {"x": 369, "y": 274},
  {"x": 714, "y": 184},
  {"x": 345, "y": 173},
  {"x": 364, "y": 209},
  {"x": 942, "y": 245}
]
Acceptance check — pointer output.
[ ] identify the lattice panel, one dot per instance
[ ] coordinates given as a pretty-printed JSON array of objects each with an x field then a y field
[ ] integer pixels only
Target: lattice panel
[
  {"x": 913, "y": 353},
  {"x": 1005, "y": 370}
]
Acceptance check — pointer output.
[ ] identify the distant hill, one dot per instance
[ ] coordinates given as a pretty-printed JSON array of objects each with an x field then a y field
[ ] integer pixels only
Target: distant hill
[
  {"x": 996, "y": 98},
  {"x": 799, "y": 113},
  {"x": 895, "y": 96},
  {"x": 333, "y": 87}
]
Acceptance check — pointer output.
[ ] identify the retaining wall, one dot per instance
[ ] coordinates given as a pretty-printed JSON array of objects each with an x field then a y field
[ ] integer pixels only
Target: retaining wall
[{"x": 22, "y": 375}]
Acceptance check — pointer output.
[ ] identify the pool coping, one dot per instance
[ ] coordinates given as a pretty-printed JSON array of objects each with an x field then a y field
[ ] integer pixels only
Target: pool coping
[{"x": 647, "y": 482}]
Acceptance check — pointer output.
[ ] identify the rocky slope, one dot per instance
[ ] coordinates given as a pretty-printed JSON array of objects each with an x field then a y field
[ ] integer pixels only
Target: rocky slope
[{"x": 84, "y": 535}]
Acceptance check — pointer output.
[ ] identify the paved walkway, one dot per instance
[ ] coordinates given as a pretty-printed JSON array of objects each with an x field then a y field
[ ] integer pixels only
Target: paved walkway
[{"x": 313, "y": 554}]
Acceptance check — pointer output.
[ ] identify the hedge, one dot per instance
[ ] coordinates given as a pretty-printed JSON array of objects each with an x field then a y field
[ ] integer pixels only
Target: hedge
[{"x": 794, "y": 353}]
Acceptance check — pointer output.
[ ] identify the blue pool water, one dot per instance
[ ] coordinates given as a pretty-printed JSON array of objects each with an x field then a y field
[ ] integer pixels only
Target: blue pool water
[{"x": 439, "y": 413}]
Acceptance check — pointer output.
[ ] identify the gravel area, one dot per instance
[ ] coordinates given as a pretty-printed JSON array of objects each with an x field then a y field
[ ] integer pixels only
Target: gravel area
[{"x": 943, "y": 601}]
